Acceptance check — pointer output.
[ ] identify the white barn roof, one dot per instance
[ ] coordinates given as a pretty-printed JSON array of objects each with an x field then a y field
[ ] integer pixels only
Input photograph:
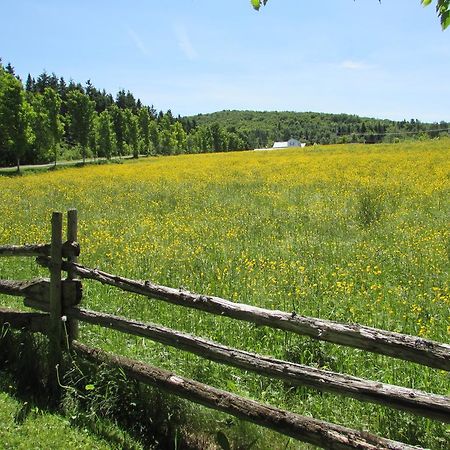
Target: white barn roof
[
  {"x": 290, "y": 143},
  {"x": 280, "y": 144}
]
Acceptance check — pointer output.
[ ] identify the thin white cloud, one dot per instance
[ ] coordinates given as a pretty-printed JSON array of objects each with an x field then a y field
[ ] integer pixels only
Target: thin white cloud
[
  {"x": 185, "y": 44},
  {"x": 355, "y": 65},
  {"x": 138, "y": 42}
]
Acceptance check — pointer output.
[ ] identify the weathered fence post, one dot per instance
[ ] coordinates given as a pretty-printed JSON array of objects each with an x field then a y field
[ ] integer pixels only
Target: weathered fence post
[
  {"x": 55, "y": 326},
  {"x": 72, "y": 236}
]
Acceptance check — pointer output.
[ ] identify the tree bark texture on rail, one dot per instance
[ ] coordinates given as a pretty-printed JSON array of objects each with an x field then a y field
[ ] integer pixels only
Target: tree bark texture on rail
[
  {"x": 411, "y": 400},
  {"x": 397, "y": 345},
  {"x": 39, "y": 290},
  {"x": 305, "y": 429},
  {"x": 30, "y": 321},
  {"x": 68, "y": 249}
]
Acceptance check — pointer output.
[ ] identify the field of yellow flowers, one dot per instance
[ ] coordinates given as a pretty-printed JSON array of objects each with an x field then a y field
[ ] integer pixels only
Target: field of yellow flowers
[{"x": 350, "y": 233}]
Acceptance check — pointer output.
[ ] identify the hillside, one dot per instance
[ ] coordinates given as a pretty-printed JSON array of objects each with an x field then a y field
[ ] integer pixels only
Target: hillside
[{"x": 262, "y": 128}]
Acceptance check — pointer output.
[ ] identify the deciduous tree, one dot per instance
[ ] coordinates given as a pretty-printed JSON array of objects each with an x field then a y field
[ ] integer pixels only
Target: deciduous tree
[
  {"x": 15, "y": 119},
  {"x": 106, "y": 138},
  {"x": 52, "y": 104},
  {"x": 132, "y": 135},
  {"x": 81, "y": 110},
  {"x": 179, "y": 136}
]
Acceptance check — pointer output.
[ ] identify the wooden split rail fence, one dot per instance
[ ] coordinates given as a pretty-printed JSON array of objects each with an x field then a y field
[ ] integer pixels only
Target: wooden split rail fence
[{"x": 59, "y": 300}]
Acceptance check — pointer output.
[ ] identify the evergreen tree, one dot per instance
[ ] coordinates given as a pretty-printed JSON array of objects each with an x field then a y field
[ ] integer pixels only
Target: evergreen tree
[
  {"x": 29, "y": 85},
  {"x": 121, "y": 99},
  {"x": 10, "y": 69},
  {"x": 144, "y": 131},
  {"x": 130, "y": 102},
  {"x": 43, "y": 81},
  {"x": 219, "y": 140},
  {"x": 119, "y": 126}
]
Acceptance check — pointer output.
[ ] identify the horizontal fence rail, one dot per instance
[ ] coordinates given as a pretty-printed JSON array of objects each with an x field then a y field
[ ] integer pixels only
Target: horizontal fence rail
[
  {"x": 59, "y": 299},
  {"x": 69, "y": 249},
  {"x": 411, "y": 400},
  {"x": 31, "y": 321},
  {"x": 397, "y": 345},
  {"x": 39, "y": 290},
  {"x": 313, "y": 431}
]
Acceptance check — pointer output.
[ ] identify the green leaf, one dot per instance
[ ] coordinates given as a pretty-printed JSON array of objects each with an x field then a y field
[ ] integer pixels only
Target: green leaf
[
  {"x": 445, "y": 20},
  {"x": 222, "y": 440},
  {"x": 256, "y": 4},
  {"x": 89, "y": 387},
  {"x": 426, "y": 2}
]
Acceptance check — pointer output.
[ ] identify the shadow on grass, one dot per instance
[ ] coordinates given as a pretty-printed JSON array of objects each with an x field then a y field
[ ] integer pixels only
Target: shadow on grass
[
  {"x": 101, "y": 399},
  {"x": 10, "y": 173}
]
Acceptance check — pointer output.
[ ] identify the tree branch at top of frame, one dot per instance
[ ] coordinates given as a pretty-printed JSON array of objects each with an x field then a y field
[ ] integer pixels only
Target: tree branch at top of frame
[{"x": 442, "y": 9}]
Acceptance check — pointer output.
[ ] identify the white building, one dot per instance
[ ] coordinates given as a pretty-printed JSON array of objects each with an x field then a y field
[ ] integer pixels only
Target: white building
[{"x": 290, "y": 143}]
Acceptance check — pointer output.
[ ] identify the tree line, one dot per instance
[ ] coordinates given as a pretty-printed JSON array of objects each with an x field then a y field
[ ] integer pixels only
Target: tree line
[
  {"x": 47, "y": 118},
  {"x": 262, "y": 128}
]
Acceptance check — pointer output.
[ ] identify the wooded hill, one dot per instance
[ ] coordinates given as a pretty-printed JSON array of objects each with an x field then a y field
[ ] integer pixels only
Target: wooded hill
[
  {"x": 261, "y": 129},
  {"x": 47, "y": 118}
]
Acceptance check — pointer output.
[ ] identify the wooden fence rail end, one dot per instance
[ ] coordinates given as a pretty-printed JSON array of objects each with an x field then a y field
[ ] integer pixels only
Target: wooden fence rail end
[
  {"x": 30, "y": 321},
  {"x": 69, "y": 249},
  {"x": 39, "y": 290}
]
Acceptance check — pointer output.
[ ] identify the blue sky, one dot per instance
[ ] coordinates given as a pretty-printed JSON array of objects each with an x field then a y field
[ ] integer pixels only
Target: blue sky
[{"x": 196, "y": 56}]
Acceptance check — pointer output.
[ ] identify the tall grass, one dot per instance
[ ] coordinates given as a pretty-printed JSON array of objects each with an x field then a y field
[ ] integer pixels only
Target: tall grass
[{"x": 350, "y": 233}]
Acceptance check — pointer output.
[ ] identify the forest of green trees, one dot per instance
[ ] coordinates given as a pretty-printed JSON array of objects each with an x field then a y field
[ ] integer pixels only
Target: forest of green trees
[
  {"x": 47, "y": 118},
  {"x": 262, "y": 128}
]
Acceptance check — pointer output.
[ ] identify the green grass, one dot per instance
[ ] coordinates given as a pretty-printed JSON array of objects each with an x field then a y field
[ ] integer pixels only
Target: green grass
[
  {"x": 26, "y": 426},
  {"x": 348, "y": 233}
]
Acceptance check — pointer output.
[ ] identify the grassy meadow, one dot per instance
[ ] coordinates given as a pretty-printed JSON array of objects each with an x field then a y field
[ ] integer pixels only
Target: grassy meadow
[{"x": 351, "y": 233}]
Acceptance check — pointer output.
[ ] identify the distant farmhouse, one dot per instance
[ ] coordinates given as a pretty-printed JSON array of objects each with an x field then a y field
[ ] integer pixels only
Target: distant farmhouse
[
  {"x": 290, "y": 143},
  {"x": 278, "y": 145}
]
